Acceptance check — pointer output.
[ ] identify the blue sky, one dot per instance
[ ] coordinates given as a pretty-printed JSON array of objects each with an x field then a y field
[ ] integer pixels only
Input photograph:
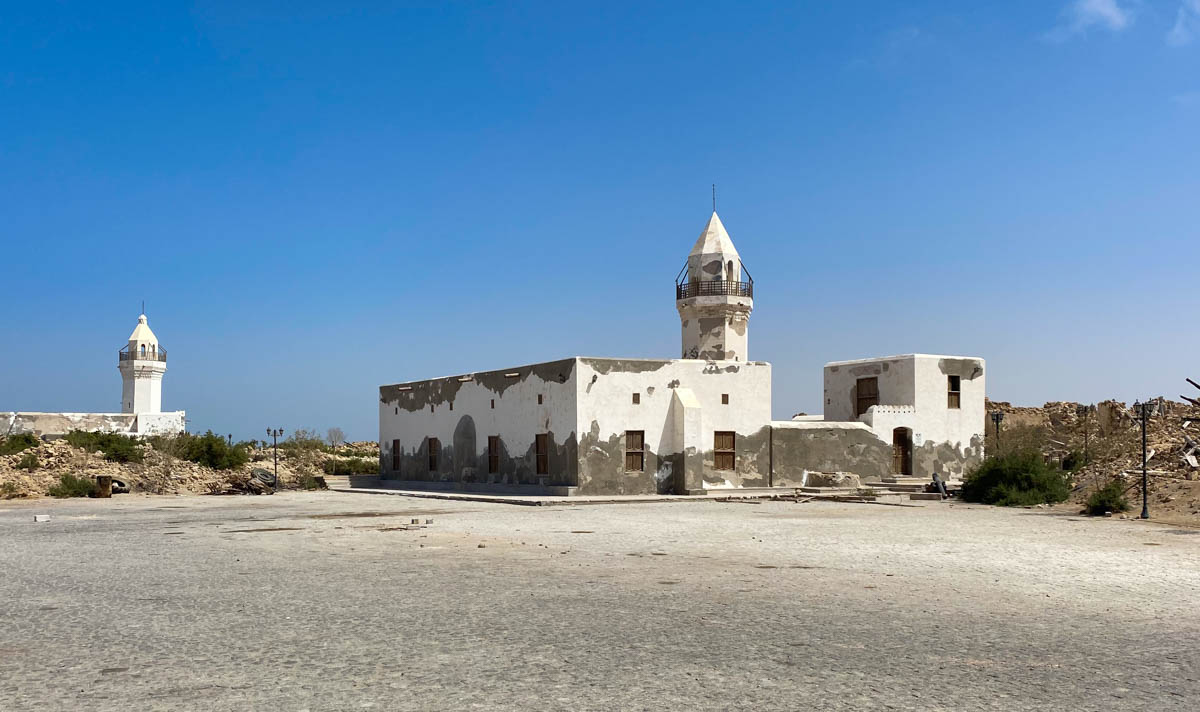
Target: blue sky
[{"x": 315, "y": 199}]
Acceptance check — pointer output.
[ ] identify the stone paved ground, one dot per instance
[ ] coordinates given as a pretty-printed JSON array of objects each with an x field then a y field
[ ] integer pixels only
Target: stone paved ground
[{"x": 301, "y": 601}]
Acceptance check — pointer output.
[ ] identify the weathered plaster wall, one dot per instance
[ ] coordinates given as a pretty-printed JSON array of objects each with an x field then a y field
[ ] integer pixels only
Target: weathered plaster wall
[
  {"x": 61, "y": 423},
  {"x": 895, "y": 378},
  {"x": 607, "y": 411},
  {"x": 458, "y": 411},
  {"x": 913, "y": 395},
  {"x": 141, "y": 386},
  {"x": 715, "y": 328},
  {"x": 800, "y": 447}
]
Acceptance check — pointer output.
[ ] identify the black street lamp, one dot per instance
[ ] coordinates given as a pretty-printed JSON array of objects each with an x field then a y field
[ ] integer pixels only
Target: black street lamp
[
  {"x": 274, "y": 434},
  {"x": 1083, "y": 411},
  {"x": 997, "y": 416},
  {"x": 1145, "y": 411}
]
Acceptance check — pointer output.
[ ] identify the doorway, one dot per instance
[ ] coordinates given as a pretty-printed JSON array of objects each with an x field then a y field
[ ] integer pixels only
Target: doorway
[{"x": 902, "y": 451}]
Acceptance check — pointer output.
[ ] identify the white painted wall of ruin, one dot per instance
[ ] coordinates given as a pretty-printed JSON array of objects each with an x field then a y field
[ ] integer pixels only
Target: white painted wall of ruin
[
  {"x": 41, "y": 424},
  {"x": 942, "y": 424},
  {"x": 896, "y": 384},
  {"x": 606, "y": 399},
  {"x": 517, "y": 417},
  {"x": 912, "y": 394},
  {"x": 141, "y": 386}
]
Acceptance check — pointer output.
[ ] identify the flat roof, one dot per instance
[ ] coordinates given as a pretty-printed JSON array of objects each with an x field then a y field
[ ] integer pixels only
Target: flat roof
[
  {"x": 895, "y": 358},
  {"x": 531, "y": 366}
]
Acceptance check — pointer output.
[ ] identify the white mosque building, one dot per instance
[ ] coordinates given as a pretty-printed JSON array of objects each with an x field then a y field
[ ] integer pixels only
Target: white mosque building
[
  {"x": 689, "y": 425},
  {"x": 142, "y": 363}
]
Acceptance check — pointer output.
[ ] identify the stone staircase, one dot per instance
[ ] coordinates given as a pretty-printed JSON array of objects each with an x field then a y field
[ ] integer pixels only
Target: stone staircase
[{"x": 914, "y": 487}]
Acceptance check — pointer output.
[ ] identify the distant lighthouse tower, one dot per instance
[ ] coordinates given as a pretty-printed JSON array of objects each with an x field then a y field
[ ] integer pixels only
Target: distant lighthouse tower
[
  {"x": 142, "y": 363},
  {"x": 715, "y": 297}
]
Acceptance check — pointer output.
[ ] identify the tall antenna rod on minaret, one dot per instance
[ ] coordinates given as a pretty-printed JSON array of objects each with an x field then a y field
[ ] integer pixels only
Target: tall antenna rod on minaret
[
  {"x": 143, "y": 306},
  {"x": 714, "y": 197}
]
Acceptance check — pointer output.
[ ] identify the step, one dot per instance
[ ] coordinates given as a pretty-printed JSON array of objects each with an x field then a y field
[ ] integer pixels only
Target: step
[{"x": 893, "y": 487}]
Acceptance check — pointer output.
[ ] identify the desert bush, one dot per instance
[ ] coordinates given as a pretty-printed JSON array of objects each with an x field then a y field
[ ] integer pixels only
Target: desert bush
[
  {"x": 8, "y": 490},
  {"x": 309, "y": 482},
  {"x": 72, "y": 486},
  {"x": 303, "y": 439},
  {"x": 28, "y": 462},
  {"x": 352, "y": 466},
  {"x": 116, "y": 447},
  {"x": 1016, "y": 479},
  {"x": 1109, "y": 498},
  {"x": 13, "y": 444},
  {"x": 212, "y": 450}
]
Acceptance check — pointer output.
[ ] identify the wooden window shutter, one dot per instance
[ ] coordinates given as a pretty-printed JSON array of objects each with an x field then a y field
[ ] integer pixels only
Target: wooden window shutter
[{"x": 635, "y": 450}]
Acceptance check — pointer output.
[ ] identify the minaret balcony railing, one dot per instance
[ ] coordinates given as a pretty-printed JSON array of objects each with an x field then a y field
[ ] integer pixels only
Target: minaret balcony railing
[
  {"x": 160, "y": 355},
  {"x": 714, "y": 288}
]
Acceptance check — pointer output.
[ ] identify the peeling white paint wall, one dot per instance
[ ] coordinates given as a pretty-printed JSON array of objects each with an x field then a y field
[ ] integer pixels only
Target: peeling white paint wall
[
  {"x": 41, "y": 424},
  {"x": 913, "y": 394},
  {"x": 517, "y": 417}
]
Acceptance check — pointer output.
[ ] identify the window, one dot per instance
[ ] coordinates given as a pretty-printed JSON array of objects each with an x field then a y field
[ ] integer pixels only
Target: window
[
  {"x": 539, "y": 399},
  {"x": 143, "y": 349},
  {"x": 953, "y": 392},
  {"x": 434, "y": 448},
  {"x": 637, "y": 398},
  {"x": 493, "y": 453},
  {"x": 723, "y": 450},
  {"x": 635, "y": 450},
  {"x": 396, "y": 455},
  {"x": 541, "y": 450},
  {"x": 868, "y": 395},
  {"x": 724, "y": 399},
  {"x": 451, "y": 405},
  {"x": 493, "y": 404}
]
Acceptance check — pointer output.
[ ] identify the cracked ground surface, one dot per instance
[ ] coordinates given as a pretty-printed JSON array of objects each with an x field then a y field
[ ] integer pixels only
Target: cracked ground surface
[{"x": 328, "y": 601}]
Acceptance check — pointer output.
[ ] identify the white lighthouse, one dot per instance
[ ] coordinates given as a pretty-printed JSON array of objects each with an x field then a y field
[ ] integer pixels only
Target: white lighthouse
[
  {"x": 715, "y": 299},
  {"x": 142, "y": 363}
]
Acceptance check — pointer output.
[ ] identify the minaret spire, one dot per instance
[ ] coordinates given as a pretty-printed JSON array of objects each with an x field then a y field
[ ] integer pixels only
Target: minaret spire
[{"x": 714, "y": 301}]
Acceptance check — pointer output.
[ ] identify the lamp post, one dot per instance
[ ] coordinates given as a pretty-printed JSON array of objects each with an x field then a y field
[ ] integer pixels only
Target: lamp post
[
  {"x": 997, "y": 416},
  {"x": 274, "y": 434},
  {"x": 1146, "y": 411},
  {"x": 1083, "y": 411}
]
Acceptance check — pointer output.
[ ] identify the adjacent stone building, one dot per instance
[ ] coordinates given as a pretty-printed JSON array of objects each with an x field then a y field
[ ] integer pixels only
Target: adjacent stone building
[
  {"x": 142, "y": 363},
  {"x": 638, "y": 426}
]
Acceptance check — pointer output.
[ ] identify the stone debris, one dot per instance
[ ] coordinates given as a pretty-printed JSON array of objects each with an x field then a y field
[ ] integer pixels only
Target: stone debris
[
  {"x": 161, "y": 473},
  {"x": 1113, "y": 446}
]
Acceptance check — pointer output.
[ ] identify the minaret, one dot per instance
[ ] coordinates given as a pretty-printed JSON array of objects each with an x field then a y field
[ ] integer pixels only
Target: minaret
[
  {"x": 715, "y": 299},
  {"x": 142, "y": 364}
]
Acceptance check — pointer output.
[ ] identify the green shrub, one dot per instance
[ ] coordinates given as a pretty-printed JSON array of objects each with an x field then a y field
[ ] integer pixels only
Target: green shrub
[
  {"x": 16, "y": 443},
  {"x": 28, "y": 462},
  {"x": 1016, "y": 479},
  {"x": 1109, "y": 498},
  {"x": 352, "y": 466},
  {"x": 8, "y": 490},
  {"x": 302, "y": 439},
  {"x": 309, "y": 482},
  {"x": 1072, "y": 461},
  {"x": 72, "y": 486},
  {"x": 211, "y": 450},
  {"x": 116, "y": 447}
]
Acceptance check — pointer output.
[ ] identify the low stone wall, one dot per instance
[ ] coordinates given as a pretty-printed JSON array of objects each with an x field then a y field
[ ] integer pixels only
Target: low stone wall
[
  {"x": 42, "y": 424},
  {"x": 799, "y": 447}
]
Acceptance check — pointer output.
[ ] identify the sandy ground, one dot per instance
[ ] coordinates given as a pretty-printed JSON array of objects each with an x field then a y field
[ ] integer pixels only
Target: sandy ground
[{"x": 324, "y": 601}]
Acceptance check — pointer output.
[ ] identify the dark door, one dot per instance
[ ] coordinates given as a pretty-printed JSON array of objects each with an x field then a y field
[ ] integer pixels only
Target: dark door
[{"x": 902, "y": 451}]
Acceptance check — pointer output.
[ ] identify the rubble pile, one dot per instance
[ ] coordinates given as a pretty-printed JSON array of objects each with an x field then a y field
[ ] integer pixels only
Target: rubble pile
[
  {"x": 1105, "y": 443},
  {"x": 161, "y": 473}
]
